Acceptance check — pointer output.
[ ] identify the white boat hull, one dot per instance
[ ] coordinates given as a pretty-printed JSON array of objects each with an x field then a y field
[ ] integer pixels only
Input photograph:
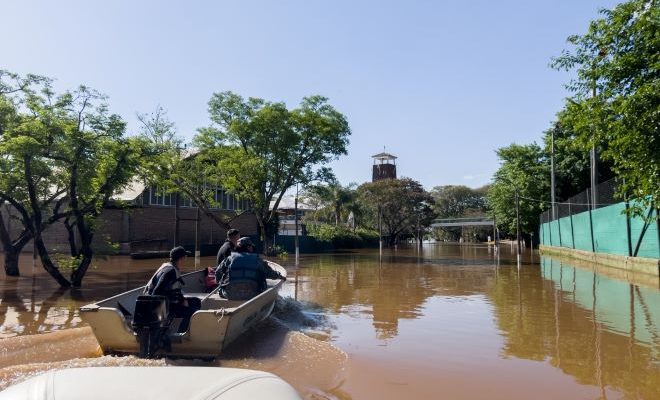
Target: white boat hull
[{"x": 162, "y": 383}]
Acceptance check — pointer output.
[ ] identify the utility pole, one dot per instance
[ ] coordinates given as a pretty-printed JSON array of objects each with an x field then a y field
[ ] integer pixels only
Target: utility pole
[
  {"x": 593, "y": 158},
  {"x": 552, "y": 173},
  {"x": 197, "y": 237},
  {"x": 380, "y": 233},
  {"x": 495, "y": 231},
  {"x": 518, "y": 226},
  {"x": 295, "y": 210},
  {"x": 177, "y": 202}
]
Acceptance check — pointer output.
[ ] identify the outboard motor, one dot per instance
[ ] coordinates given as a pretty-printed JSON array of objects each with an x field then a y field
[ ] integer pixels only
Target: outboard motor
[{"x": 151, "y": 323}]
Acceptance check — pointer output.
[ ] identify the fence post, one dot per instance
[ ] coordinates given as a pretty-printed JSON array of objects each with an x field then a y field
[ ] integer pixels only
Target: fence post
[
  {"x": 657, "y": 224},
  {"x": 591, "y": 223},
  {"x": 570, "y": 216},
  {"x": 559, "y": 229},
  {"x": 628, "y": 234}
]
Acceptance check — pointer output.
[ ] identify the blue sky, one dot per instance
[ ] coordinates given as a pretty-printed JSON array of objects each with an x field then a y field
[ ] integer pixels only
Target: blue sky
[{"x": 441, "y": 84}]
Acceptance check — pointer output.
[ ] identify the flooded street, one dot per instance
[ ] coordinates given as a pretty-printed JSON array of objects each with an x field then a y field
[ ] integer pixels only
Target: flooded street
[{"x": 447, "y": 321}]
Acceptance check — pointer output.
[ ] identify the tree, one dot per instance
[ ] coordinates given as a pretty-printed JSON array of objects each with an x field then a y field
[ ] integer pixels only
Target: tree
[
  {"x": 616, "y": 93},
  {"x": 16, "y": 93},
  {"x": 524, "y": 170},
  {"x": 174, "y": 167},
  {"x": 63, "y": 158},
  {"x": 334, "y": 196},
  {"x": 258, "y": 149},
  {"x": 458, "y": 201},
  {"x": 404, "y": 206}
]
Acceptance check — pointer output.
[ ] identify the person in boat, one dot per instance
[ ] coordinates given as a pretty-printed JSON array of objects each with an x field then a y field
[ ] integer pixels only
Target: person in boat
[
  {"x": 228, "y": 246},
  {"x": 243, "y": 274},
  {"x": 167, "y": 282}
]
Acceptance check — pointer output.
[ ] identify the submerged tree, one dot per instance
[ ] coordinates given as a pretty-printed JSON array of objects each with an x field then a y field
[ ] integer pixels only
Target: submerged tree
[
  {"x": 19, "y": 153},
  {"x": 258, "y": 150},
  {"x": 402, "y": 206},
  {"x": 64, "y": 156}
]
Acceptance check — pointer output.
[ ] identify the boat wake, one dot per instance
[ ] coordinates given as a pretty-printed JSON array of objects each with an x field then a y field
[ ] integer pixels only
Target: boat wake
[{"x": 292, "y": 343}]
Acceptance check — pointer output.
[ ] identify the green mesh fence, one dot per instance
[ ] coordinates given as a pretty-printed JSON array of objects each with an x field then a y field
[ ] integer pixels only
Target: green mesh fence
[{"x": 604, "y": 230}]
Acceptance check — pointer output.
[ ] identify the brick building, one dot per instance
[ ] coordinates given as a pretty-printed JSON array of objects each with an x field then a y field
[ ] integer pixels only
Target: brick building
[{"x": 143, "y": 219}]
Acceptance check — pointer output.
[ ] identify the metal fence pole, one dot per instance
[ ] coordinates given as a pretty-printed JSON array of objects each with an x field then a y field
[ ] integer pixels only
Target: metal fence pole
[
  {"x": 591, "y": 224},
  {"x": 628, "y": 234},
  {"x": 570, "y": 216},
  {"x": 559, "y": 231}
]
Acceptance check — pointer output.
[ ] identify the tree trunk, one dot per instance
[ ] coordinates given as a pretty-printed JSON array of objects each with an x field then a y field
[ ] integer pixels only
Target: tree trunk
[
  {"x": 11, "y": 261},
  {"x": 265, "y": 239},
  {"x": 48, "y": 264},
  {"x": 391, "y": 240},
  {"x": 12, "y": 249},
  {"x": 71, "y": 236},
  {"x": 86, "y": 235},
  {"x": 11, "y": 255},
  {"x": 79, "y": 273}
]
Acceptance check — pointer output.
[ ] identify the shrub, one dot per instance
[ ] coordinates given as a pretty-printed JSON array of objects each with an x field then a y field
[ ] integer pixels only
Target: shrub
[{"x": 342, "y": 237}]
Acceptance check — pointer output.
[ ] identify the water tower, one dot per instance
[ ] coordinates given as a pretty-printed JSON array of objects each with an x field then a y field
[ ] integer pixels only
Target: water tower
[{"x": 384, "y": 167}]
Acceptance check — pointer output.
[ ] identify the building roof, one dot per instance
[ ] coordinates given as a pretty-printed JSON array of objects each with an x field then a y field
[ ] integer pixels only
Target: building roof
[
  {"x": 288, "y": 203},
  {"x": 384, "y": 156},
  {"x": 136, "y": 187},
  {"x": 130, "y": 192}
]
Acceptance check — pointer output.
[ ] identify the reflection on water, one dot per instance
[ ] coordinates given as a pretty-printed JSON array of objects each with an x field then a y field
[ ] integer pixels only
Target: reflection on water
[
  {"x": 601, "y": 331},
  {"x": 442, "y": 322}
]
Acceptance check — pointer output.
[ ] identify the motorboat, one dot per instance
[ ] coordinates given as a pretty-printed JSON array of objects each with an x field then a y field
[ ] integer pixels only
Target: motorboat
[
  {"x": 122, "y": 328},
  {"x": 163, "y": 383}
]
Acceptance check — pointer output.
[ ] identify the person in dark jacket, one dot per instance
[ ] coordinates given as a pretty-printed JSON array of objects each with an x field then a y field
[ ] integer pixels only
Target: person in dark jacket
[
  {"x": 167, "y": 282},
  {"x": 243, "y": 274},
  {"x": 228, "y": 246}
]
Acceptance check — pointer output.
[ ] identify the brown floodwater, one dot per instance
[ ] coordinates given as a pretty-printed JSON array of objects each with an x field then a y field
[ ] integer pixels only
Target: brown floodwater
[{"x": 446, "y": 321}]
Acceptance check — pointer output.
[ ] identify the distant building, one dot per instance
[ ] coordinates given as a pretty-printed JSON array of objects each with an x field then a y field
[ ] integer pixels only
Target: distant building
[
  {"x": 384, "y": 167},
  {"x": 286, "y": 213}
]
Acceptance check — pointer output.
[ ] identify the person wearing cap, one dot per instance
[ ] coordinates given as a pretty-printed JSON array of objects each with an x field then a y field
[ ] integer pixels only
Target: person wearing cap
[
  {"x": 167, "y": 282},
  {"x": 228, "y": 246},
  {"x": 243, "y": 274}
]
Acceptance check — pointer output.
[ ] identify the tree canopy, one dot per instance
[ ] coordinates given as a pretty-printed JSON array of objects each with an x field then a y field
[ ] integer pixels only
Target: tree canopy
[
  {"x": 616, "y": 92},
  {"x": 63, "y": 157},
  {"x": 459, "y": 201},
  {"x": 405, "y": 207},
  {"x": 524, "y": 170},
  {"x": 259, "y": 149},
  {"x": 334, "y": 198}
]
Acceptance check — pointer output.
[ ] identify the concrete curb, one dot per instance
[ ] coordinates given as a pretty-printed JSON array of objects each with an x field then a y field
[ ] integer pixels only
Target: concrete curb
[{"x": 650, "y": 266}]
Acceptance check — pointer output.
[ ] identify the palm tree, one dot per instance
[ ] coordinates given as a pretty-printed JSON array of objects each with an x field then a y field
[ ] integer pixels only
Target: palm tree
[{"x": 333, "y": 195}]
